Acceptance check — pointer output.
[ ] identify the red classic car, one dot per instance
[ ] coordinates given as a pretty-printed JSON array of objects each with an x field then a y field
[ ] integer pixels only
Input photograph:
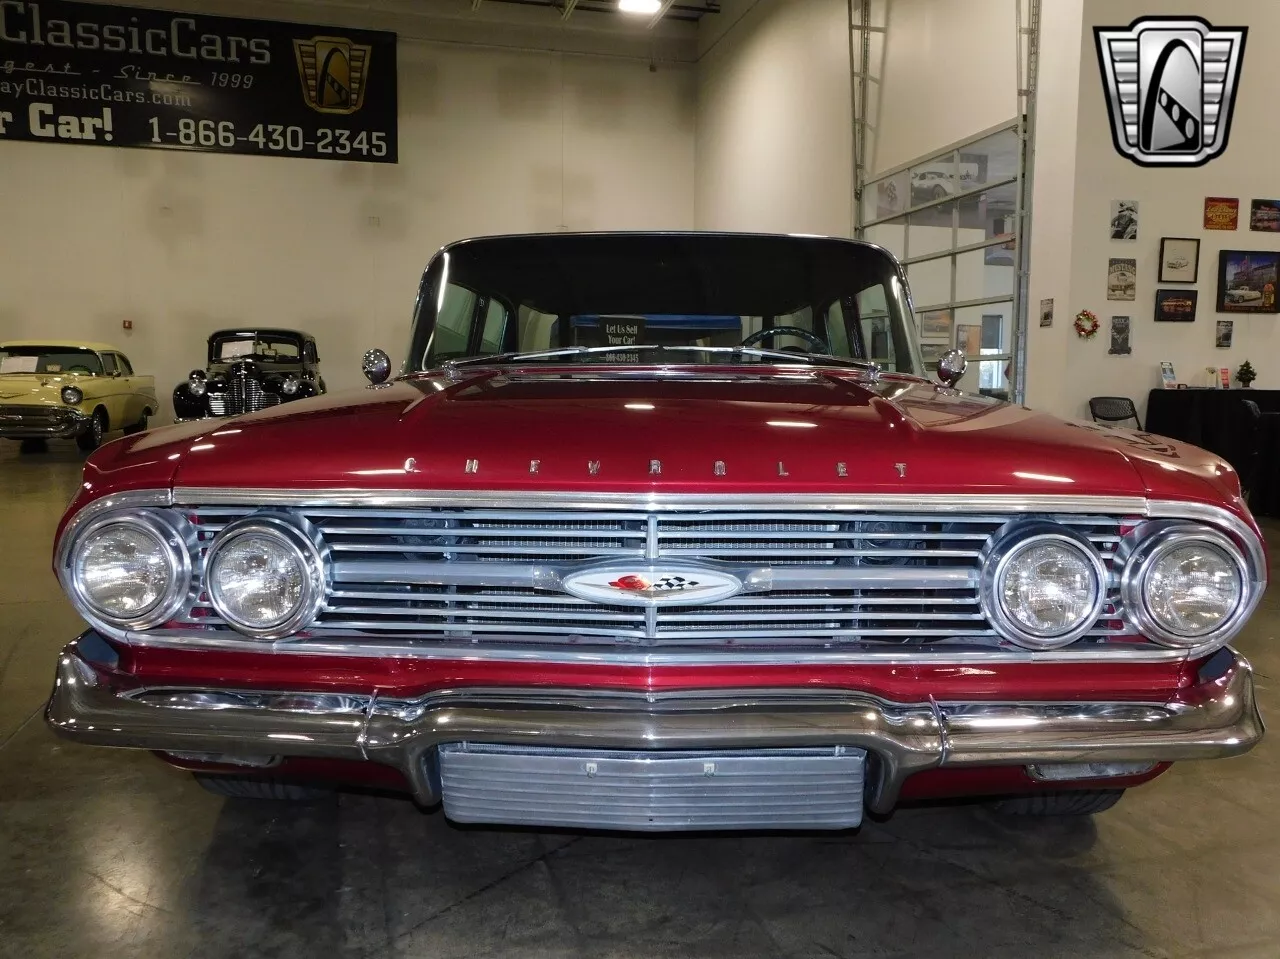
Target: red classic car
[{"x": 661, "y": 531}]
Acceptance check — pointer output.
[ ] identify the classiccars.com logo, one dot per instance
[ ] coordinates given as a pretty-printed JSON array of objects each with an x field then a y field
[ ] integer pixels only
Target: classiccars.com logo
[
  {"x": 1171, "y": 87},
  {"x": 333, "y": 72}
]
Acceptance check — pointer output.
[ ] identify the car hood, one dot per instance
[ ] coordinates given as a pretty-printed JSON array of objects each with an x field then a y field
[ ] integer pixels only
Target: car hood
[
  {"x": 703, "y": 431},
  {"x": 36, "y": 388}
]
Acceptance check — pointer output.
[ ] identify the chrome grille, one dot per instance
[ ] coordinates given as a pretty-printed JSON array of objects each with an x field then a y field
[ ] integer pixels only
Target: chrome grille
[
  {"x": 35, "y": 415},
  {"x": 816, "y": 580},
  {"x": 242, "y": 395}
]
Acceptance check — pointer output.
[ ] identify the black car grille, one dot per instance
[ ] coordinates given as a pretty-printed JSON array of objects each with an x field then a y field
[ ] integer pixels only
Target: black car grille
[{"x": 242, "y": 395}]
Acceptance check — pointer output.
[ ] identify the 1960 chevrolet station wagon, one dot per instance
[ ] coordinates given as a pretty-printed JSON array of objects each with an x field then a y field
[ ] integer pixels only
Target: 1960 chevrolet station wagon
[{"x": 662, "y": 531}]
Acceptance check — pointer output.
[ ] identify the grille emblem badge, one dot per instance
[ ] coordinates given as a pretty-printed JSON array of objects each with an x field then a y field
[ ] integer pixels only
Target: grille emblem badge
[{"x": 652, "y": 585}]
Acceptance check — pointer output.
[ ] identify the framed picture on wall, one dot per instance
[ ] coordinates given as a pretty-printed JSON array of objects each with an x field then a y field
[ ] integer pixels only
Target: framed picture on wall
[
  {"x": 1247, "y": 281},
  {"x": 1223, "y": 335},
  {"x": 1176, "y": 306},
  {"x": 936, "y": 324},
  {"x": 969, "y": 339},
  {"x": 1179, "y": 259},
  {"x": 932, "y": 352},
  {"x": 1221, "y": 212},
  {"x": 1264, "y": 216}
]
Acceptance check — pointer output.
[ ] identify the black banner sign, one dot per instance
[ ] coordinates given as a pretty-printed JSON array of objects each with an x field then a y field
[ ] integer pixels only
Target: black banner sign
[{"x": 124, "y": 76}]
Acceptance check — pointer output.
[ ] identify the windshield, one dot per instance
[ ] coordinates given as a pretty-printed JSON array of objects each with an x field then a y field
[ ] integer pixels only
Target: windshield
[
  {"x": 804, "y": 296},
  {"x": 266, "y": 347},
  {"x": 49, "y": 359}
]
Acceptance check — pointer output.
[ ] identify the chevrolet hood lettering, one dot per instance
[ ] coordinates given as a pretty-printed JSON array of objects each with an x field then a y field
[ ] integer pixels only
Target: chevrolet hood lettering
[{"x": 665, "y": 585}]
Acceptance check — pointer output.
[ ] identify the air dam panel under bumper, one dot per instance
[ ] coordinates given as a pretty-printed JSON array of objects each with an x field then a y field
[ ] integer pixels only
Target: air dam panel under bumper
[{"x": 93, "y": 703}]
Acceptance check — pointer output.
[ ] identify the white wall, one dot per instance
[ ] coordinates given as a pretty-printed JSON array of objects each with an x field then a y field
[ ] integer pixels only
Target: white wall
[
  {"x": 1172, "y": 202},
  {"x": 491, "y": 141},
  {"x": 1053, "y": 203},
  {"x": 775, "y": 118},
  {"x": 949, "y": 69}
]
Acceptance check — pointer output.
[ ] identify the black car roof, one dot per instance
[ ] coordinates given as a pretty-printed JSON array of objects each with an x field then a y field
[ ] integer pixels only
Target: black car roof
[{"x": 259, "y": 331}]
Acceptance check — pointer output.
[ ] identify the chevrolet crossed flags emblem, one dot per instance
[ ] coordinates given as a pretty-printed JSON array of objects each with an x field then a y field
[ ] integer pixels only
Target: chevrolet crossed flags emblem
[{"x": 1171, "y": 87}]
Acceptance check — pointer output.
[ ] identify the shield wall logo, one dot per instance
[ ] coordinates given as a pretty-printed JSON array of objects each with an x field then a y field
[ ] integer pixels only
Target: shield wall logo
[
  {"x": 333, "y": 72},
  {"x": 1171, "y": 87}
]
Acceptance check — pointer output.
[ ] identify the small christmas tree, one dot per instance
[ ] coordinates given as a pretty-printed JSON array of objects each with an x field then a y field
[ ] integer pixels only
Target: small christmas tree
[{"x": 1246, "y": 375}]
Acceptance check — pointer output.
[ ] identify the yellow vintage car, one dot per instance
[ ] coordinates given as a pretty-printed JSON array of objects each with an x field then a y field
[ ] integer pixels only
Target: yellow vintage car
[{"x": 70, "y": 388}]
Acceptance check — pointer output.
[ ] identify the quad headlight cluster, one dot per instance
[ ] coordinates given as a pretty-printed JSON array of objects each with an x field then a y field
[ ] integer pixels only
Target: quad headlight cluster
[
  {"x": 1042, "y": 584},
  {"x": 1182, "y": 585},
  {"x": 265, "y": 575}
]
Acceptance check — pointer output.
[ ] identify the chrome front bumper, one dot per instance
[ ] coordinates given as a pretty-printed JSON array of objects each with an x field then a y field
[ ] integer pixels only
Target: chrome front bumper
[
  {"x": 41, "y": 424},
  {"x": 91, "y": 703}
]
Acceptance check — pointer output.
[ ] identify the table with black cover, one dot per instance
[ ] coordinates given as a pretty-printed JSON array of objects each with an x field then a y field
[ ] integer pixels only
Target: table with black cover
[{"x": 1216, "y": 420}]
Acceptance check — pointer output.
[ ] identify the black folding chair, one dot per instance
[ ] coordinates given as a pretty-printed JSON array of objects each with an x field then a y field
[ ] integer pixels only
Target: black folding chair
[{"x": 1113, "y": 409}]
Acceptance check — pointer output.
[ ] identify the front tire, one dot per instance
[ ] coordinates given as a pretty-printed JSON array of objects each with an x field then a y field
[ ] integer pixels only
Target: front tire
[
  {"x": 91, "y": 438},
  {"x": 1073, "y": 803},
  {"x": 251, "y": 787}
]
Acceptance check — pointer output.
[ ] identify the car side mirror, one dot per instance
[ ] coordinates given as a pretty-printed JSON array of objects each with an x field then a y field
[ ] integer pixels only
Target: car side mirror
[
  {"x": 376, "y": 367},
  {"x": 951, "y": 367}
]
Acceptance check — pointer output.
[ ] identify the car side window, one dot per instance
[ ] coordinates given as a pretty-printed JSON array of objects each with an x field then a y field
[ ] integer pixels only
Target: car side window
[
  {"x": 453, "y": 321},
  {"x": 877, "y": 332},
  {"x": 109, "y": 364},
  {"x": 495, "y": 325},
  {"x": 309, "y": 351},
  {"x": 126, "y": 368},
  {"x": 837, "y": 332}
]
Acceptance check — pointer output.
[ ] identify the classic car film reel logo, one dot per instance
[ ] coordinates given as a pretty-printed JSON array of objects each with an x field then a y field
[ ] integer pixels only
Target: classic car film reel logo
[
  {"x": 333, "y": 72},
  {"x": 1171, "y": 87}
]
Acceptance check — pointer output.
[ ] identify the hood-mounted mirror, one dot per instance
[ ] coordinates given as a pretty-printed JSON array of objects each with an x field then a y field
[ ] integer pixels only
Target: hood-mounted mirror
[
  {"x": 376, "y": 367},
  {"x": 951, "y": 367}
]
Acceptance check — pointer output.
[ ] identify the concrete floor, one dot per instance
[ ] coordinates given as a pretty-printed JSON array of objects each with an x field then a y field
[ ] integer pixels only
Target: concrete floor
[{"x": 108, "y": 853}]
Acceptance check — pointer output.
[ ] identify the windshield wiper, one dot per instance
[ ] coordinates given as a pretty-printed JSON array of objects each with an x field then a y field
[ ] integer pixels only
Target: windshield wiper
[
  {"x": 544, "y": 354},
  {"x": 809, "y": 358}
]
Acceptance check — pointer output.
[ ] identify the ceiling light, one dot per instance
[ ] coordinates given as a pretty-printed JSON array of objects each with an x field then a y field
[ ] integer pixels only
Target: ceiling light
[{"x": 639, "y": 6}]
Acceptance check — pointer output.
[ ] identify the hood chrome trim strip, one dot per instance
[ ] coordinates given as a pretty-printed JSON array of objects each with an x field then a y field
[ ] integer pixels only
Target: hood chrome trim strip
[{"x": 660, "y": 502}]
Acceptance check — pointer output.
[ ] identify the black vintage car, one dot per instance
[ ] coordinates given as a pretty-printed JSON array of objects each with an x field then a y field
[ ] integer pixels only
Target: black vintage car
[{"x": 250, "y": 369}]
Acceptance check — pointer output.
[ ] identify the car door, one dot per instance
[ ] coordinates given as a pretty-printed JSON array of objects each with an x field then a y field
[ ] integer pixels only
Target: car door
[
  {"x": 111, "y": 397},
  {"x": 131, "y": 399}
]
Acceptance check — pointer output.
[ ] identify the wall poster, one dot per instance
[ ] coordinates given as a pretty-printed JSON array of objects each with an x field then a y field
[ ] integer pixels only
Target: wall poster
[{"x": 86, "y": 73}]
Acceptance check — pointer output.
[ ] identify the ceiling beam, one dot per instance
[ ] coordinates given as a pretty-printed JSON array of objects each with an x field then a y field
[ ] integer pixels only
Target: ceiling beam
[
  {"x": 567, "y": 12},
  {"x": 662, "y": 12}
]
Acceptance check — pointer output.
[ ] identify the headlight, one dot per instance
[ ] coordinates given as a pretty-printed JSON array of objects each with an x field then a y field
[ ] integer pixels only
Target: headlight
[
  {"x": 290, "y": 385},
  {"x": 132, "y": 570},
  {"x": 72, "y": 395},
  {"x": 197, "y": 383},
  {"x": 265, "y": 575},
  {"x": 1184, "y": 585},
  {"x": 1043, "y": 585}
]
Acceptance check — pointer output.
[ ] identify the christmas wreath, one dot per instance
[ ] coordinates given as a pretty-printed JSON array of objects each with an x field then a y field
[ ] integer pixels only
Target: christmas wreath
[{"x": 1086, "y": 324}]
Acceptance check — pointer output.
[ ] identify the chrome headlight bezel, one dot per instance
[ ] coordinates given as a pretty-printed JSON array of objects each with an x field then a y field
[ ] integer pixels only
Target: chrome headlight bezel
[
  {"x": 289, "y": 385},
  {"x": 178, "y": 545},
  {"x": 1014, "y": 539},
  {"x": 301, "y": 539},
  {"x": 1142, "y": 548},
  {"x": 71, "y": 395},
  {"x": 197, "y": 383}
]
